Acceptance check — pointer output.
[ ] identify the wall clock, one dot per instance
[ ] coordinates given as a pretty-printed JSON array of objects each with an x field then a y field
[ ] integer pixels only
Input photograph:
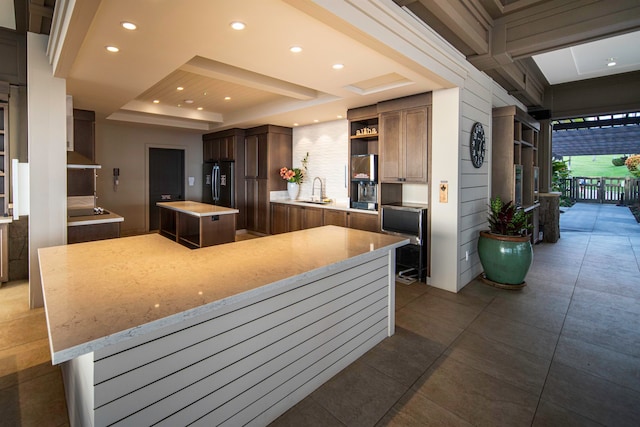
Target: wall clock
[{"x": 477, "y": 145}]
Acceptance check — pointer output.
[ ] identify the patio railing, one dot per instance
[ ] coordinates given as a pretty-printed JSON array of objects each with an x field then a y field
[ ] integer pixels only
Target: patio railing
[{"x": 602, "y": 189}]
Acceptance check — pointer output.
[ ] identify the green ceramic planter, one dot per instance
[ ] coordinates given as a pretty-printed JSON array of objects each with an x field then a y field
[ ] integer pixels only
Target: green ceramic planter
[{"x": 505, "y": 259}]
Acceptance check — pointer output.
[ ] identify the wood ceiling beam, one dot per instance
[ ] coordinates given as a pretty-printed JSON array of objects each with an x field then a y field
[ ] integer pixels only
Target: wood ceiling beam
[
  {"x": 467, "y": 19},
  {"x": 553, "y": 25}
]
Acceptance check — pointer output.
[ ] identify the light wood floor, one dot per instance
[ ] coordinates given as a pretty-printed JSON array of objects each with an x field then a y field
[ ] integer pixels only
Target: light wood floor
[{"x": 31, "y": 389}]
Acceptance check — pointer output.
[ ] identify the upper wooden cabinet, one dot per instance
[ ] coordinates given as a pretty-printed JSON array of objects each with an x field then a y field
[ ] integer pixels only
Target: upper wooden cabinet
[
  {"x": 405, "y": 142},
  {"x": 222, "y": 145},
  {"x": 81, "y": 182}
]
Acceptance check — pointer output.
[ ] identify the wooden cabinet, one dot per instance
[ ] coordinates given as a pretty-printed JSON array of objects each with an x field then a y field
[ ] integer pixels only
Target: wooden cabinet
[
  {"x": 4, "y": 252},
  {"x": 93, "y": 232},
  {"x": 4, "y": 156},
  {"x": 229, "y": 145},
  {"x": 405, "y": 134},
  {"x": 286, "y": 217},
  {"x": 220, "y": 147},
  {"x": 514, "y": 160},
  {"x": 363, "y": 138},
  {"x": 335, "y": 217},
  {"x": 362, "y": 221},
  {"x": 81, "y": 182},
  {"x": 267, "y": 149}
]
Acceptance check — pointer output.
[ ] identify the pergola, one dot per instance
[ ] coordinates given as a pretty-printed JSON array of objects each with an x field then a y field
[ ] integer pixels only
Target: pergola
[{"x": 594, "y": 135}]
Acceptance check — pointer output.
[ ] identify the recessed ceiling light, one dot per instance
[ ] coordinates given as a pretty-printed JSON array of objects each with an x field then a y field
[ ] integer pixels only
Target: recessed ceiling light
[
  {"x": 227, "y": 98},
  {"x": 315, "y": 121},
  {"x": 199, "y": 108},
  {"x": 295, "y": 49},
  {"x": 339, "y": 116},
  {"x": 188, "y": 101},
  {"x": 112, "y": 49},
  {"x": 156, "y": 101},
  {"x": 295, "y": 124},
  {"x": 611, "y": 64},
  {"x": 179, "y": 88},
  {"x": 128, "y": 25},
  {"x": 237, "y": 25},
  {"x": 338, "y": 66}
]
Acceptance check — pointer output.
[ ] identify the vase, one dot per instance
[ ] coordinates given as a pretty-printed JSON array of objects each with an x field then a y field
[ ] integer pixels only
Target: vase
[
  {"x": 505, "y": 259},
  {"x": 293, "y": 188}
]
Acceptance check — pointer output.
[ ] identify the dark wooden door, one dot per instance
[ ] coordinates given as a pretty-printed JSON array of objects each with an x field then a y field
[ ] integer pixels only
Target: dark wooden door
[{"x": 166, "y": 180}]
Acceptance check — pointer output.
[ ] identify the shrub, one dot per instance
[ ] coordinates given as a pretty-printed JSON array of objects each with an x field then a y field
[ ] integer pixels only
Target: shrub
[
  {"x": 633, "y": 164},
  {"x": 619, "y": 161}
]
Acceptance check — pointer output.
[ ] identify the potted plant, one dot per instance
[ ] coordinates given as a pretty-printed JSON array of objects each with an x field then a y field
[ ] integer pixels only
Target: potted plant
[{"x": 505, "y": 250}]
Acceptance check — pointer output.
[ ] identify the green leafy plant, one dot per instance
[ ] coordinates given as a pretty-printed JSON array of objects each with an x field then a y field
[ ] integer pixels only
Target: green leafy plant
[
  {"x": 508, "y": 219},
  {"x": 619, "y": 161},
  {"x": 558, "y": 180}
]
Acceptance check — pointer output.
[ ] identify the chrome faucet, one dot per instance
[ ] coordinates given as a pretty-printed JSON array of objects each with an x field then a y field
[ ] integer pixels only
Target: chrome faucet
[{"x": 313, "y": 189}]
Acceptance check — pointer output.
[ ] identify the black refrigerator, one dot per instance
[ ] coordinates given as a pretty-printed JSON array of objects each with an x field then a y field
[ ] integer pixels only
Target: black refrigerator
[{"x": 218, "y": 184}]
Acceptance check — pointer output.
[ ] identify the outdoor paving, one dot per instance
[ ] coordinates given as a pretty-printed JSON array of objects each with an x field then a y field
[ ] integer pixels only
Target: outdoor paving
[{"x": 599, "y": 218}]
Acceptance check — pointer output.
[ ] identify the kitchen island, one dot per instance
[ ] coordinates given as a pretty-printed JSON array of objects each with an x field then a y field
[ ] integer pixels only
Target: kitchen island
[
  {"x": 197, "y": 225},
  {"x": 229, "y": 334}
]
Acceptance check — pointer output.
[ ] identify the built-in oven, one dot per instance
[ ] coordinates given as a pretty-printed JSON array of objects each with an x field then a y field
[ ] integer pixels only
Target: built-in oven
[{"x": 410, "y": 221}]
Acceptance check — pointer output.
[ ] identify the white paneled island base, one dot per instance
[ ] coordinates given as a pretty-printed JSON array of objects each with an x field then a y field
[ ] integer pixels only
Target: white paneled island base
[{"x": 238, "y": 335}]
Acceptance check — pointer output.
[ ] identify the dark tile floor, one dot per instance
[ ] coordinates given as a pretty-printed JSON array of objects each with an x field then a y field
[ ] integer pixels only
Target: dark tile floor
[{"x": 564, "y": 351}]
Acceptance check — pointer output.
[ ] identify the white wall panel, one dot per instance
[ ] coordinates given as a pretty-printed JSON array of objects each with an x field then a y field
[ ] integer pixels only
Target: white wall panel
[{"x": 248, "y": 365}]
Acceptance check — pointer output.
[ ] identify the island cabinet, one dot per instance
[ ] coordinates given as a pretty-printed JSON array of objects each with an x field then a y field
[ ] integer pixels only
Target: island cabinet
[
  {"x": 267, "y": 149},
  {"x": 197, "y": 225},
  {"x": 226, "y": 335}
]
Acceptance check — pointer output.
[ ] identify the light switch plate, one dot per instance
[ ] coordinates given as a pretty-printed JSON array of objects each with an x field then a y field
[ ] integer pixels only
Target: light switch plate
[{"x": 444, "y": 192}]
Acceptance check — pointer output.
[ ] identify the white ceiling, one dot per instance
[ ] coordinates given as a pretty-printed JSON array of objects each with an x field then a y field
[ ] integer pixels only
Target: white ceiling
[
  {"x": 190, "y": 44},
  {"x": 590, "y": 60}
]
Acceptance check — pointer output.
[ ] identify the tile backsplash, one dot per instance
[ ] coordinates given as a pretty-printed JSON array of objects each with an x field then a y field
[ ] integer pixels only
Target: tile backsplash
[{"x": 327, "y": 145}]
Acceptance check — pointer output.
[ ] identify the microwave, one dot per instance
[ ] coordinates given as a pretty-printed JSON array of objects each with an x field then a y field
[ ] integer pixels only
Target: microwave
[
  {"x": 364, "y": 167},
  {"x": 407, "y": 220}
]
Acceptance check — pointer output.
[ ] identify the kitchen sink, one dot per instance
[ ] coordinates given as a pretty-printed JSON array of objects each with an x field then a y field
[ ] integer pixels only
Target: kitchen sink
[{"x": 317, "y": 202}]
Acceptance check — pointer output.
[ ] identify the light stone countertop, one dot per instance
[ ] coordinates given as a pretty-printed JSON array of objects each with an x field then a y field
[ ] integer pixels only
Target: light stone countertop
[
  {"x": 6, "y": 219},
  {"x": 332, "y": 205},
  {"x": 197, "y": 208},
  {"x": 103, "y": 292},
  {"x": 94, "y": 219}
]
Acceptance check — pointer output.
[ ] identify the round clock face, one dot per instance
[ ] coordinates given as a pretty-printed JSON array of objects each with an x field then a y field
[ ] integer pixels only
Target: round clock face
[{"x": 477, "y": 145}]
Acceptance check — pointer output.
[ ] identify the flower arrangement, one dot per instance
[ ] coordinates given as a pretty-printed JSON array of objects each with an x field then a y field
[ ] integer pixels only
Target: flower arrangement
[
  {"x": 295, "y": 174},
  {"x": 508, "y": 219},
  {"x": 292, "y": 175}
]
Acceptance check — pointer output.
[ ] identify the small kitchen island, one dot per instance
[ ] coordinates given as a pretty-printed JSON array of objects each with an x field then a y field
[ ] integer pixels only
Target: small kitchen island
[
  {"x": 197, "y": 225},
  {"x": 231, "y": 334}
]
